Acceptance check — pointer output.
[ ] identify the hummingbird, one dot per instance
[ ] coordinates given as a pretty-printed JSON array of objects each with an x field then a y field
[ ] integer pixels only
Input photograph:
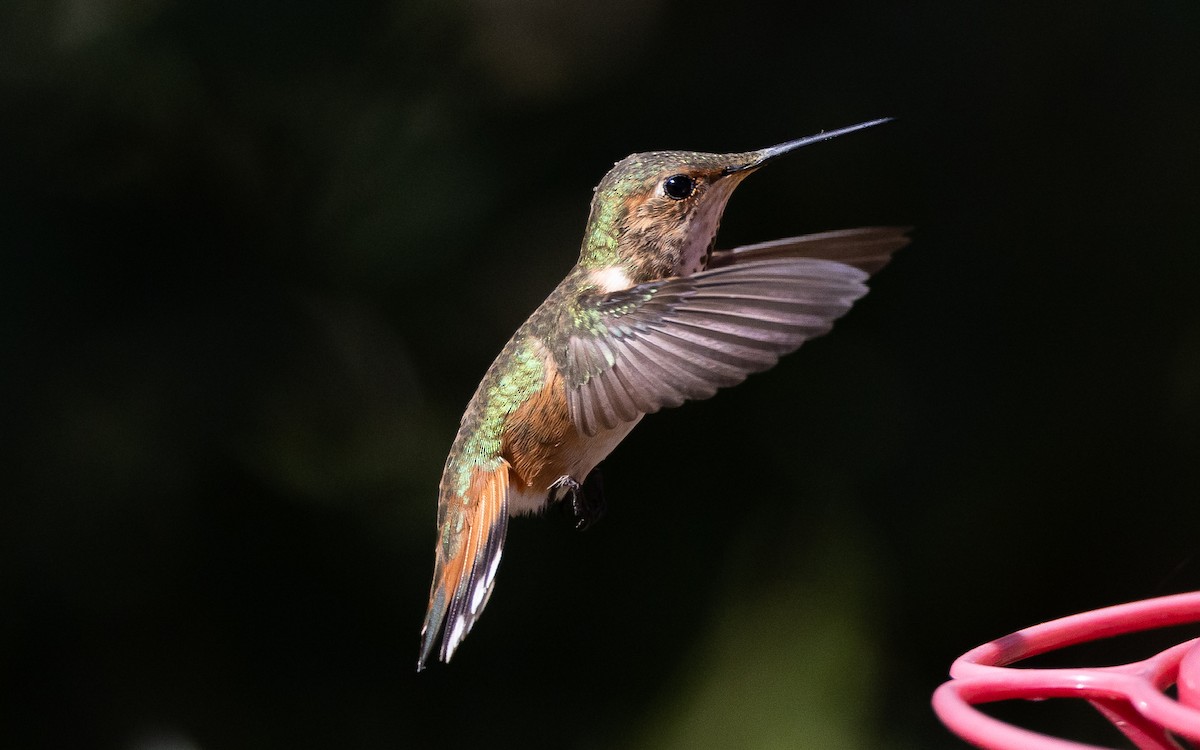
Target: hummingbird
[{"x": 651, "y": 315}]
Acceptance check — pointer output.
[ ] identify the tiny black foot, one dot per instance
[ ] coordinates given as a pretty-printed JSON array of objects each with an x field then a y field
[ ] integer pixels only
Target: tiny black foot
[
  {"x": 585, "y": 501},
  {"x": 589, "y": 503}
]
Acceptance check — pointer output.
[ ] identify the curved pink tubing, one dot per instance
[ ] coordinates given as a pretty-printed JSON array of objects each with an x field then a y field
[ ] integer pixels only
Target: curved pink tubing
[{"x": 1129, "y": 695}]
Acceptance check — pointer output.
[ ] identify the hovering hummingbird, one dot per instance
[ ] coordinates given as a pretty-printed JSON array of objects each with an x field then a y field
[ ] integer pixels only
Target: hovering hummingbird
[{"x": 651, "y": 316}]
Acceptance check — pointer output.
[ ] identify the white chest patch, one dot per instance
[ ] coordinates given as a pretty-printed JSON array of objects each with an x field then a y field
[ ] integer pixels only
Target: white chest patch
[{"x": 611, "y": 279}]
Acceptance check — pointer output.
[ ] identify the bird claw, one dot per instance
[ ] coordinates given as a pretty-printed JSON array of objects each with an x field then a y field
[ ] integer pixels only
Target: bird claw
[{"x": 587, "y": 501}]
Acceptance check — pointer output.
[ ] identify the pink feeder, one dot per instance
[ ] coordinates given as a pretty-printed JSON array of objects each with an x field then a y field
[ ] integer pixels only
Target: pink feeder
[{"x": 1129, "y": 695}]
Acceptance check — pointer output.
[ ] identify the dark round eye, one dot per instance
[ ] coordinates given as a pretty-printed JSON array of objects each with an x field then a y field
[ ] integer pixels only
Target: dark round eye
[{"x": 679, "y": 186}]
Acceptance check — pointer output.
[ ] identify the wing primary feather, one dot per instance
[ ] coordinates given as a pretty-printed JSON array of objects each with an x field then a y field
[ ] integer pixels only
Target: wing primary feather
[
  {"x": 736, "y": 341},
  {"x": 590, "y": 423},
  {"x": 683, "y": 338},
  {"x": 623, "y": 407},
  {"x": 866, "y": 248},
  {"x": 678, "y": 360},
  {"x": 788, "y": 331},
  {"x": 633, "y": 374},
  {"x": 660, "y": 374}
]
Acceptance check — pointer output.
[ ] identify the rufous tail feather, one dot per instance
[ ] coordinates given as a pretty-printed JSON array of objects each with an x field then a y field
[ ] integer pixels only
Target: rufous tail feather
[{"x": 470, "y": 540}]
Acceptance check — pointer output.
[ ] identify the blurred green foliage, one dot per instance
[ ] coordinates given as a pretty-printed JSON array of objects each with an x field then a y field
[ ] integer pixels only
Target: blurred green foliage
[{"x": 257, "y": 255}]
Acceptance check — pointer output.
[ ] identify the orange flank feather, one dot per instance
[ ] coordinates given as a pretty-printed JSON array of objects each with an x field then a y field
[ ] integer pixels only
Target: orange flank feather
[
  {"x": 539, "y": 440},
  {"x": 542, "y": 445}
]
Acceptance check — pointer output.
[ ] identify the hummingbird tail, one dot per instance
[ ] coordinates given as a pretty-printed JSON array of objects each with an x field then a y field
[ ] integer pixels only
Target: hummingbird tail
[
  {"x": 470, "y": 540},
  {"x": 866, "y": 248}
]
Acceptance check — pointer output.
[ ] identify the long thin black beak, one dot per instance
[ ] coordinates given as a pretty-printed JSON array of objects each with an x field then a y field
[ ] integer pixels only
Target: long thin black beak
[{"x": 759, "y": 158}]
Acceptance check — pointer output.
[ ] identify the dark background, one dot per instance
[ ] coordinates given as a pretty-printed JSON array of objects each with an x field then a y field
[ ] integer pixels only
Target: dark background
[{"x": 256, "y": 256}]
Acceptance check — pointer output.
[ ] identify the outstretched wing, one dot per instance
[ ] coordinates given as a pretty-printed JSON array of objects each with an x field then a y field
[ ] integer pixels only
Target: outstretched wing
[
  {"x": 663, "y": 343},
  {"x": 471, "y": 530},
  {"x": 868, "y": 248}
]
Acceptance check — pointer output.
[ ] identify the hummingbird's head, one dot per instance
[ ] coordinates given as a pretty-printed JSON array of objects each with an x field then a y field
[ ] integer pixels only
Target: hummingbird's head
[{"x": 656, "y": 214}]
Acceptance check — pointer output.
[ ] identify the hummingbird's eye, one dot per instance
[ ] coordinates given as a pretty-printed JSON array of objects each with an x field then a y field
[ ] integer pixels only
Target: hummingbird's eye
[{"x": 679, "y": 186}]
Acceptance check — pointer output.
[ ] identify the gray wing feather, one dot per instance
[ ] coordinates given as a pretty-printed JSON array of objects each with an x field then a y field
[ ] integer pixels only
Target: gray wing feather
[
  {"x": 868, "y": 248},
  {"x": 663, "y": 343}
]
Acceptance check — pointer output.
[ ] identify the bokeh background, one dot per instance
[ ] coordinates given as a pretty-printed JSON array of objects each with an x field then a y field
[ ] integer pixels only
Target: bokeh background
[{"x": 256, "y": 256}]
